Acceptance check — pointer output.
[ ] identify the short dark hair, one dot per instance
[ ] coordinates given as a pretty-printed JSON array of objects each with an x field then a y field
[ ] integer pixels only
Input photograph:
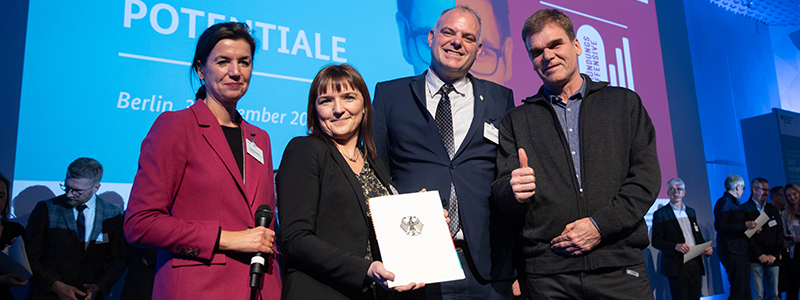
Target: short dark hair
[
  {"x": 760, "y": 180},
  {"x": 774, "y": 190},
  {"x": 466, "y": 9},
  {"x": 339, "y": 77},
  {"x": 541, "y": 18},
  {"x": 209, "y": 39},
  {"x": 85, "y": 168},
  {"x": 7, "y": 208}
]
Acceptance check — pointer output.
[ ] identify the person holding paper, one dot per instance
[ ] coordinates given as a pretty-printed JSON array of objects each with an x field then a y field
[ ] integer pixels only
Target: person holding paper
[
  {"x": 203, "y": 173},
  {"x": 766, "y": 244},
  {"x": 730, "y": 221},
  {"x": 9, "y": 231},
  {"x": 74, "y": 241},
  {"x": 791, "y": 219},
  {"x": 438, "y": 130},
  {"x": 675, "y": 231},
  {"x": 325, "y": 182}
]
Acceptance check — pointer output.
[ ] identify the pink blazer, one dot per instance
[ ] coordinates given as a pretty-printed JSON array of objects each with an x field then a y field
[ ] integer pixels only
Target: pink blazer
[{"x": 188, "y": 188}]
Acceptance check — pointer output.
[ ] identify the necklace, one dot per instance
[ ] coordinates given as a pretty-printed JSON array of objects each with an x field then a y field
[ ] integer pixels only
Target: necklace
[{"x": 354, "y": 158}]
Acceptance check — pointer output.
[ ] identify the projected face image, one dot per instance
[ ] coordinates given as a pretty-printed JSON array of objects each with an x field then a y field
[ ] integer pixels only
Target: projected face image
[
  {"x": 415, "y": 19},
  {"x": 494, "y": 61},
  {"x": 340, "y": 113},
  {"x": 454, "y": 44},
  {"x": 227, "y": 70},
  {"x": 554, "y": 55}
]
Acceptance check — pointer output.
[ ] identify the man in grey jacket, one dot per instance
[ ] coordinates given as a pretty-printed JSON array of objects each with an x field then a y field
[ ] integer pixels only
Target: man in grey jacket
[{"x": 593, "y": 149}]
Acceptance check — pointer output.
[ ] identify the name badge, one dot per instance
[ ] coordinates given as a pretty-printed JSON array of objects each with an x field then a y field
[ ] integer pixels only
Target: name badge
[
  {"x": 491, "y": 133},
  {"x": 772, "y": 223},
  {"x": 254, "y": 151}
]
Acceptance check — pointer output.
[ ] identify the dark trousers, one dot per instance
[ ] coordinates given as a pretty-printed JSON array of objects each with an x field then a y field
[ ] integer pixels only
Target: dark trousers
[
  {"x": 738, "y": 269},
  {"x": 688, "y": 285},
  {"x": 793, "y": 275},
  {"x": 608, "y": 283},
  {"x": 467, "y": 288}
]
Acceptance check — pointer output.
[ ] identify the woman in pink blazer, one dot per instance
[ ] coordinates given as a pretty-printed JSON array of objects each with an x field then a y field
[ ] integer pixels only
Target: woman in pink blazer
[{"x": 202, "y": 173}]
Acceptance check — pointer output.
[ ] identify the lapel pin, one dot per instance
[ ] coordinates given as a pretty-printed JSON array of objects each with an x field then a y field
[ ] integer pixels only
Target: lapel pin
[{"x": 481, "y": 96}]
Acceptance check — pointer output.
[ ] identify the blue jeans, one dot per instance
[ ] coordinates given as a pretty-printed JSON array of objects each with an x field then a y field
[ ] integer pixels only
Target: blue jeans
[{"x": 757, "y": 278}]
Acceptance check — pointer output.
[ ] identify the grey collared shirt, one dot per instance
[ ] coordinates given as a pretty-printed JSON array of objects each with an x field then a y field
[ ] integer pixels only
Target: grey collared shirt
[{"x": 568, "y": 115}]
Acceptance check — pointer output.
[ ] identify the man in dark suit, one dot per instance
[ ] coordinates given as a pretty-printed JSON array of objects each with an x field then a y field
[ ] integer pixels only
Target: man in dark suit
[
  {"x": 730, "y": 221},
  {"x": 74, "y": 241},
  {"x": 675, "y": 230},
  {"x": 766, "y": 244},
  {"x": 438, "y": 131}
]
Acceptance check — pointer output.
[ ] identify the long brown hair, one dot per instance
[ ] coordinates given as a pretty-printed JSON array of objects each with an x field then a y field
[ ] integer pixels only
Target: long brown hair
[
  {"x": 791, "y": 209},
  {"x": 338, "y": 77}
]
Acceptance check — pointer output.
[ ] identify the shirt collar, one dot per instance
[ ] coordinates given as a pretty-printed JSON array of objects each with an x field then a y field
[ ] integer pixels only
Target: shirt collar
[
  {"x": 683, "y": 207},
  {"x": 434, "y": 83},
  {"x": 91, "y": 203},
  {"x": 578, "y": 95}
]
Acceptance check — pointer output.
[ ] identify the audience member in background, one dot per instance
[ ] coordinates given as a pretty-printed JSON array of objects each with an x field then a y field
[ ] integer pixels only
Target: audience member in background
[
  {"x": 675, "y": 231},
  {"x": 778, "y": 200},
  {"x": 74, "y": 241},
  {"x": 791, "y": 219},
  {"x": 730, "y": 221},
  {"x": 765, "y": 245},
  {"x": 203, "y": 172},
  {"x": 9, "y": 231},
  {"x": 324, "y": 186}
]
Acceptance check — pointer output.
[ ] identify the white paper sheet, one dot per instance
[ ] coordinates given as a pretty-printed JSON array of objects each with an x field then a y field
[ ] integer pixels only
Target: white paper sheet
[
  {"x": 760, "y": 221},
  {"x": 414, "y": 239},
  {"x": 695, "y": 251}
]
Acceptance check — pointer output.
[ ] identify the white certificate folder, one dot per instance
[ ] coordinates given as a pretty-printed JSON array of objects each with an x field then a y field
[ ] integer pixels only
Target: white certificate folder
[{"x": 414, "y": 238}]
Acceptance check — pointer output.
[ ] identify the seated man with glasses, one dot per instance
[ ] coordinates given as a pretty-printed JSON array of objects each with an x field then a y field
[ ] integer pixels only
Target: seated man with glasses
[
  {"x": 75, "y": 241},
  {"x": 675, "y": 230}
]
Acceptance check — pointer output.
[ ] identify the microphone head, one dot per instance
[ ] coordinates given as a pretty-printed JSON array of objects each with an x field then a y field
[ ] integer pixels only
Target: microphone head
[{"x": 264, "y": 211}]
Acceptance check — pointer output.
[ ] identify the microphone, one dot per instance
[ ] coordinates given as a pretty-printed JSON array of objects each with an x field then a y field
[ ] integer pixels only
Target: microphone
[{"x": 263, "y": 218}]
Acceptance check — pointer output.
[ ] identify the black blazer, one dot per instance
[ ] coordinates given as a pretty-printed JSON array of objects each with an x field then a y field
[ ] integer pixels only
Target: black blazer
[
  {"x": 324, "y": 227},
  {"x": 770, "y": 240},
  {"x": 56, "y": 254},
  {"x": 667, "y": 234}
]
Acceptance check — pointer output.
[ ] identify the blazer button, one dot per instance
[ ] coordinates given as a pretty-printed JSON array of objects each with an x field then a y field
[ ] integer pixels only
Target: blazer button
[
  {"x": 445, "y": 202},
  {"x": 452, "y": 166}
]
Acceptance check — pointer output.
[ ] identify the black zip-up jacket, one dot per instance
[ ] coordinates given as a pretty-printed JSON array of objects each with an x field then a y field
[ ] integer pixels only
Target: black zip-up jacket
[{"x": 620, "y": 175}]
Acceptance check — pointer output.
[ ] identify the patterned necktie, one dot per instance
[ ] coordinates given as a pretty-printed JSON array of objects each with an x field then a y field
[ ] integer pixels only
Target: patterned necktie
[
  {"x": 444, "y": 120},
  {"x": 81, "y": 221}
]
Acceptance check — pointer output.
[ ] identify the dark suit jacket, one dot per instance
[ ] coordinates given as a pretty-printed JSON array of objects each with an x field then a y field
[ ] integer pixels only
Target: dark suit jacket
[
  {"x": 56, "y": 253},
  {"x": 188, "y": 188},
  {"x": 408, "y": 138},
  {"x": 324, "y": 221},
  {"x": 770, "y": 240},
  {"x": 729, "y": 221},
  {"x": 667, "y": 234}
]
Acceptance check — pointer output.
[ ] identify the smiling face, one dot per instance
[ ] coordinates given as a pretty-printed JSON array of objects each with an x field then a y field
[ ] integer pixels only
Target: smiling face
[
  {"x": 792, "y": 196},
  {"x": 226, "y": 72},
  {"x": 760, "y": 191},
  {"x": 340, "y": 113},
  {"x": 455, "y": 43},
  {"x": 554, "y": 56}
]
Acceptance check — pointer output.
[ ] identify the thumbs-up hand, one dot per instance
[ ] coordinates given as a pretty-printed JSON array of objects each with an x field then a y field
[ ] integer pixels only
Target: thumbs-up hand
[{"x": 523, "y": 182}]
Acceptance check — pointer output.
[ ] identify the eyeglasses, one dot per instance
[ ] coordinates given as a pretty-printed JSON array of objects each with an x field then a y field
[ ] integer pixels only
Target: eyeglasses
[
  {"x": 75, "y": 192},
  {"x": 675, "y": 189}
]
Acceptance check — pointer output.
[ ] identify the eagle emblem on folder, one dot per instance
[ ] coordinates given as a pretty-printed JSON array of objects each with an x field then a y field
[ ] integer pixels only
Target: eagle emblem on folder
[{"x": 411, "y": 225}]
